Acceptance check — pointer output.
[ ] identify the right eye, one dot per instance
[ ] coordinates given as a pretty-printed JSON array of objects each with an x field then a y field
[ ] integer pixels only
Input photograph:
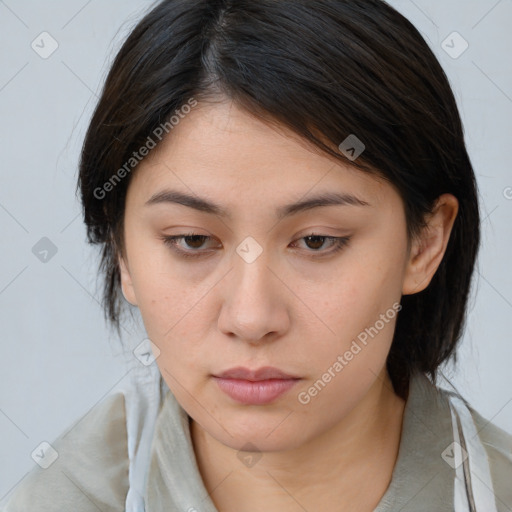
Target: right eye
[{"x": 193, "y": 241}]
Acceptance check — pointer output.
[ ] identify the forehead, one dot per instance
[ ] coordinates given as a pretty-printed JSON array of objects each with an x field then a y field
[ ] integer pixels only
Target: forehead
[{"x": 220, "y": 150}]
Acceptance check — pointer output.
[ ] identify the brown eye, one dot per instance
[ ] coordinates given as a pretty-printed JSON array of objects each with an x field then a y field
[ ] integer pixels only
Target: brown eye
[
  {"x": 190, "y": 248},
  {"x": 194, "y": 241},
  {"x": 315, "y": 241}
]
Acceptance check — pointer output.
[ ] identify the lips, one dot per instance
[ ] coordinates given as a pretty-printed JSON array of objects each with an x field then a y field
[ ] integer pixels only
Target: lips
[
  {"x": 255, "y": 387},
  {"x": 264, "y": 373}
]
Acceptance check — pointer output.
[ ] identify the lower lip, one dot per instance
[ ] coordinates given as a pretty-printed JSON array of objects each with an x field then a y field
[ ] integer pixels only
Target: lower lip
[{"x": 255, "y": 392}]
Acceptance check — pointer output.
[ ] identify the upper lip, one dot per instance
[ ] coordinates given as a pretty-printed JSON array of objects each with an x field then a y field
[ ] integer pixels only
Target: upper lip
[{"x": 263, "y": 373}]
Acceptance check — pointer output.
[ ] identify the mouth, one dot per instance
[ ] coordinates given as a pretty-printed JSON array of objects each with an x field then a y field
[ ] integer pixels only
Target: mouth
[{"x": 255, "y": 387}]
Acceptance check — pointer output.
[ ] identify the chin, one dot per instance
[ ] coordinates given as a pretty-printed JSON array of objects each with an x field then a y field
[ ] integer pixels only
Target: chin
[{"x": 265, "y": 435}]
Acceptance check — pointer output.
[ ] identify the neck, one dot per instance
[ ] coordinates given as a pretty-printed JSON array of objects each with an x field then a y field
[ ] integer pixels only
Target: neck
[{"x": 350, "y": 465}]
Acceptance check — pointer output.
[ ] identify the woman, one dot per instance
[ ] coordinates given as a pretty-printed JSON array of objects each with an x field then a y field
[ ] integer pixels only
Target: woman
[{"x": 283, "y": 190}]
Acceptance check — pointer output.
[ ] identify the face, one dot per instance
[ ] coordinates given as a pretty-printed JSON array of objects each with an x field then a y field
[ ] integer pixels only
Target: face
[{"x": 310, "y": 291}]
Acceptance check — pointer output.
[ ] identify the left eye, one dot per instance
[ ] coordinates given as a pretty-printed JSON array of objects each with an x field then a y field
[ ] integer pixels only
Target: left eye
[
  {"x": 315, "y": 239},
  {"x": 194, "y": 242}
]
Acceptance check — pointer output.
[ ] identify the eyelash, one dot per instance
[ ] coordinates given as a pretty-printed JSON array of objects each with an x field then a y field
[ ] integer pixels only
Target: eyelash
[{"x": 338, "y": 243}]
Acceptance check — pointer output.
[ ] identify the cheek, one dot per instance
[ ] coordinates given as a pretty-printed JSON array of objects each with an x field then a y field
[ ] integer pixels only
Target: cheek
[
  {"x": 363, "y": 290},
  {"x": 174, "y": 310},
  {"x": 343, "y": 370},
  {"x": 361, "y": 311},
  {"x": 166, "y": 295},
  {"x": 174, "y": 321}
]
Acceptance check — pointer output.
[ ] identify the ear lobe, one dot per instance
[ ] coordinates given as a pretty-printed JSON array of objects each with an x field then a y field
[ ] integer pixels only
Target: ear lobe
[
  {"x": 429, "y": 247},
  {"x": 126, "y": 282}
]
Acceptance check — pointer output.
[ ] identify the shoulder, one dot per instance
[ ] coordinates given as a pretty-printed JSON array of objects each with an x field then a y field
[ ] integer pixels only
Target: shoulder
[
  {"x": 498, "y": 446},
  {"x": 90, "y": 471}
]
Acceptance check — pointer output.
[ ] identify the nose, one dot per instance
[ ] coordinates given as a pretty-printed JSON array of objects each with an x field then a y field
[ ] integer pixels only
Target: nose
[{"x": 255, "y": 301}]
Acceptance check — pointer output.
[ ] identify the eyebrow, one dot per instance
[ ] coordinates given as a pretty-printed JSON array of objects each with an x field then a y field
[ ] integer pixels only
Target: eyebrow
[{"x": 207, "y": 206}]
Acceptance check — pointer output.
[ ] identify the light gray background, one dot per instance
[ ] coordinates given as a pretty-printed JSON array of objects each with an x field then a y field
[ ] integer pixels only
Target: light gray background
[{"x": 57, "y": 357}]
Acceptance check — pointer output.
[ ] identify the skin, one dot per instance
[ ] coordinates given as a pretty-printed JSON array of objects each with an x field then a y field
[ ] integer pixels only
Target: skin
[{"x": 291, "y": 308}]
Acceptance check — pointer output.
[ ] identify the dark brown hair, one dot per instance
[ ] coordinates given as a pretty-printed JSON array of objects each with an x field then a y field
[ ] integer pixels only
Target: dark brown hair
[{"x": 326, "y": 69}]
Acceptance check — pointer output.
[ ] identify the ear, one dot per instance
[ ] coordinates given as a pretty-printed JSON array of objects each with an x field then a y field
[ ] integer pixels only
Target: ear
[
  {"x": 427, "y": 250},
  {"x": 126, "y": 282}
]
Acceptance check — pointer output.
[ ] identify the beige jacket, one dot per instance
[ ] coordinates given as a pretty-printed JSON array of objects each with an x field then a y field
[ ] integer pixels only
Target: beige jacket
[{"x": 95, "y": 467}]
